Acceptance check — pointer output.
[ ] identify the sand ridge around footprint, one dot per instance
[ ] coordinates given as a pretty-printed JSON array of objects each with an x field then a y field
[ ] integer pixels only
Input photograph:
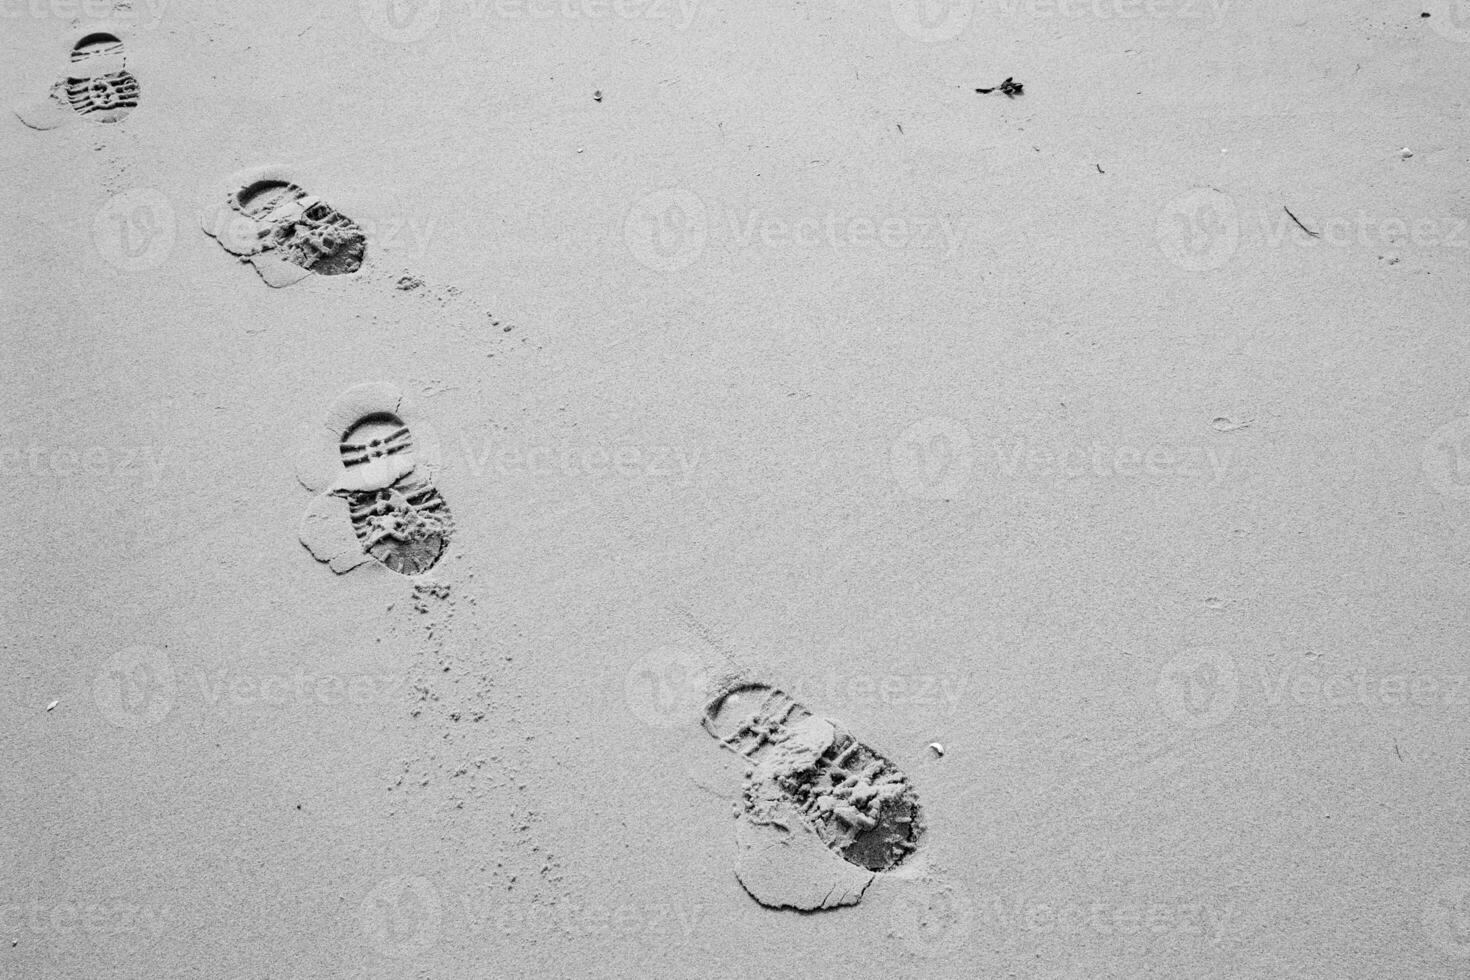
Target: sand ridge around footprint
[
  {"x": 822, "y": 814},
  {"x": 97, "y": 85},
  {"x": 264, "y": 217},
  {"x": 373, "y": 471}
]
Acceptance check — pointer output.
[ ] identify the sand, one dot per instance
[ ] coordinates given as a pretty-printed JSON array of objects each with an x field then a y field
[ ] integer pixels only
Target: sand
[{"x": 1109, "y": 436}]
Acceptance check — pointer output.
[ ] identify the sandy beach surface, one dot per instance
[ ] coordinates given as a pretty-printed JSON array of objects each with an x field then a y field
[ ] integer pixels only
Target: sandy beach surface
[{"x": 1092, "y": 462}]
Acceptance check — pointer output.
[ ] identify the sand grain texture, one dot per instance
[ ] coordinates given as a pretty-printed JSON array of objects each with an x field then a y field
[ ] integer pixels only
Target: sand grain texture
[{"x": 736, "y": 338}]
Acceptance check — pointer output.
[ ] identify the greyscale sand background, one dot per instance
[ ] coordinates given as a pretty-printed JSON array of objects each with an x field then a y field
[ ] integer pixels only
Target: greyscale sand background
[{"x": 1033, "y": 427}]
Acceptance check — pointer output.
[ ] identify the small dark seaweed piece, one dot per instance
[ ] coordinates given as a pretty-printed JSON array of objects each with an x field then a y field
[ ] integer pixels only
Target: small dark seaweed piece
[{"x": 1010, "y": 87}]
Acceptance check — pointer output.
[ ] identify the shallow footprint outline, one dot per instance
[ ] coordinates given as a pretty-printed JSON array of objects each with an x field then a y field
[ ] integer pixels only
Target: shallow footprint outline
[
  {"x": 377, "y": 497},
  {"x": 811, "y": 784},
  {"x": 97, "y": 87}
]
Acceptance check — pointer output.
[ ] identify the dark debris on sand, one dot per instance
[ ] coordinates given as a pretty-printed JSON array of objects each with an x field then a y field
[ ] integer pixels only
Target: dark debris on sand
[{"x": 1010, "y": 87}]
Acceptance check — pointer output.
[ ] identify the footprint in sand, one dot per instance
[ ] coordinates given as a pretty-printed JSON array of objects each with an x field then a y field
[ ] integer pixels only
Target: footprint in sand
[
  {"x": 97, "y": 87},
  {"x": 822, "y": 814},
  {"x": 376, "y": 487},
  {"x": 263, "y": 217}
]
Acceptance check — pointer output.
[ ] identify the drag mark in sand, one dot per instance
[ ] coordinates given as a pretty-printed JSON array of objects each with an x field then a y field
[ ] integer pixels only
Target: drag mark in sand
[
  {"x": 813, "y": 794},
  {"x": 377, "y": 495},
  {"x": 286, "y": 233},
  {"x": 97, "y": 87}
]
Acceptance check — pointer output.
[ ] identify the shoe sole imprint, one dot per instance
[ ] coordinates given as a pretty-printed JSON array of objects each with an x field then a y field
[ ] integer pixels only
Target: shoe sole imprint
[
  {"x": 857, "y": 801},
  {"x": 405, "y": 525},
  {"x": 96, "y": 44},
  {"x": 104, "y": 98},
  {"x": 306, "y": 230},
  {"x": 268, "y": 220},
  {"x": 96, "y": 87},
  {"x": 377, "y": 498}
]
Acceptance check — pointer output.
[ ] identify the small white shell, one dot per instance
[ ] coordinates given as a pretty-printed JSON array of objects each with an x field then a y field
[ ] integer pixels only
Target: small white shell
[{"x": 936, "y": 748}]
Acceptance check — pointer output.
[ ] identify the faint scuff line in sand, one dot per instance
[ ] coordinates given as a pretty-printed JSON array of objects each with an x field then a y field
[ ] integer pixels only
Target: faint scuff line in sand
[
  {"x": 211, "y": 521},
  {"x": 571, "y": 372},
  {"x": 710, "y": 638},
  {"x": 1121, "y": 772},
  {"x": 1227, "y": 423},
  {"x": 315, "y": 19}
]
